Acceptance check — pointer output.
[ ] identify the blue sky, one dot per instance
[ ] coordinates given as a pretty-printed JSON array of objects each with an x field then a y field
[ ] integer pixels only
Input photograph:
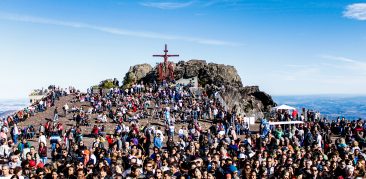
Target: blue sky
[{"x": 285, "y": 47}]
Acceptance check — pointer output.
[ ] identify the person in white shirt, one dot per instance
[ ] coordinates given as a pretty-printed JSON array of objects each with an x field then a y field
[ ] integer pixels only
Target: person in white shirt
[
  {"x": 100, "y": 117},
  {"x": 41, "y": 106},
  {"x": 5, "y": 172},
  {"x": 4, "y": 149},
  {"x": 66, "y": 109},
  {"x": 215, "y": 112},
  {"x": 181, "y": 132},
  {"x": 42, "y": 138},
  {"x": 198, "y": 112},
  {"x": 90, "y": 111},
  {"x": 319, "y": 140},
  {"x": 104, "y": 118},
  {"x": 93, "y": 157},
  {"x": 15, "y": 133},
  {"x": 125, "y": 128},
  {"x": 41, "y": 128},
  {"x": 5, "y": 129},
  {"x": 171, "y": 129}
]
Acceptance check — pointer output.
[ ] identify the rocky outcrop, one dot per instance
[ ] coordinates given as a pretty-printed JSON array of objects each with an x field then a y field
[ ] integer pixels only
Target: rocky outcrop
[
  {"x": 137, "y": 73},
  {"x": 214, "y": 78},
  {"x": 225, "y": 80},
  {"x": 249, "y": 100},
  {"x": 208, "y": 73}
]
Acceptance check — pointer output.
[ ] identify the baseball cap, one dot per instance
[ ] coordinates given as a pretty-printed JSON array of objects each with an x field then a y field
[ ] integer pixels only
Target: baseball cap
[{"x": 232, "y": 169}]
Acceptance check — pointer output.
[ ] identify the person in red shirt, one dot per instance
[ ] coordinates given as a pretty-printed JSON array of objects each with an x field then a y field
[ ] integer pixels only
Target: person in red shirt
[
  {"x": 95, "y": 131},
  {"x": 134, "y": 108},
  {"x": 110, "y": 140},
  {"x": 294, "y": 114},
  {"x": 42, "y": 151},
  {"x": 358, "y": 128}
]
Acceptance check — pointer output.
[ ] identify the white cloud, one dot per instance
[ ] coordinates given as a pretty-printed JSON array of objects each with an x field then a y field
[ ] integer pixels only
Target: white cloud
[
  {"x": 167, "y": 5},
  {"x": 351, "y": 68},
  {"x": 202, "y": 3},
  {"x": 345, "y": 60},
  {"x": 297, "y": 72},
  {"x": 214, "y": 2},
  {"x": 298, "y": 66},
  {"x": 356, "y": 11},
  {"x": 112, "y": 30},
  {"x": 326, "y": 74},
  {"x": 337, "y": 58}
]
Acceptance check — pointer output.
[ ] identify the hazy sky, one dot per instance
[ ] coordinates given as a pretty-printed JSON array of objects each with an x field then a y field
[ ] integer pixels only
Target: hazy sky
[{"x": 285, "y": 47}]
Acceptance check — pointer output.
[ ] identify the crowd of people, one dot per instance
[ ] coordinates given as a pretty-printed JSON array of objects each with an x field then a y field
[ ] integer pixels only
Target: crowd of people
[{"x": 159, "y": 132}]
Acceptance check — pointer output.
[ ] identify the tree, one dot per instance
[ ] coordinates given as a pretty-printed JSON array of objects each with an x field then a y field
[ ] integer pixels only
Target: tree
[{"x": 107, "y": 84}]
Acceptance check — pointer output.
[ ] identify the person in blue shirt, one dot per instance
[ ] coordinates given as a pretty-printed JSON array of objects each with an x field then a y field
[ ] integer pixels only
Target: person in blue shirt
[{"x": 157, "y": 141}]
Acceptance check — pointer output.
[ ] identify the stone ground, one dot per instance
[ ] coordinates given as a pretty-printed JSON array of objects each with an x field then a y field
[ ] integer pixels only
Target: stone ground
[{"x": 68, "y": 122}]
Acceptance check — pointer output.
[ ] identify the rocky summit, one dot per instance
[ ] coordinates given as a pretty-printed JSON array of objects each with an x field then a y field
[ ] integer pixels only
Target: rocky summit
[{"x": 213, "y": 78}]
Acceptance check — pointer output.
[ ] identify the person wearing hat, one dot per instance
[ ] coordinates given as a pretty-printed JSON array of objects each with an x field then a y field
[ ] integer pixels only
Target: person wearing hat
[{"x": 233, "y": 171}]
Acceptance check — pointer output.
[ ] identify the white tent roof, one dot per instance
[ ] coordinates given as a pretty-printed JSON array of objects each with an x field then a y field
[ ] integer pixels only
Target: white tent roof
[{"x": 284, "y": 106}]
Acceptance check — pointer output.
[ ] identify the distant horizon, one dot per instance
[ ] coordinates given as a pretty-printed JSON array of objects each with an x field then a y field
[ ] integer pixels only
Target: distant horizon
[
  {"x": 330, "y": 106},
  {"x": 325, "y": 94},
  {"x": 289, "y": 95}
]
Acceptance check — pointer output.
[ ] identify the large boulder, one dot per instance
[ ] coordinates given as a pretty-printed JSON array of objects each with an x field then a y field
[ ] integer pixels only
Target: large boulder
[
  {"x": 249, "y": 100},
  {"x": 136, "y": 73},
  {"x": 208, "y": 73}
]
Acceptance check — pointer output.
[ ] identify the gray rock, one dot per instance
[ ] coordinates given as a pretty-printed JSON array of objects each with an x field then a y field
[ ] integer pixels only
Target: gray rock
[
  {"x": 208, "y": 73},
  {"x": 136, "y": 73},
  {"x": 214, "y": 78}
]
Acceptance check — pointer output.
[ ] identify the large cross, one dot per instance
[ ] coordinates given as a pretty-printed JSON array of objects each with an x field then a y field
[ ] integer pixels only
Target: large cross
[{"x": 166, "y": 56}]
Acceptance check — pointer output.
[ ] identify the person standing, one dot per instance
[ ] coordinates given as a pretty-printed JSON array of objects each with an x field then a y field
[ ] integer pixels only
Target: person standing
[
  {"x": 54, "y": 139},
  {"x": 42, "y": 150},
  {"x": 158, "y": 143},
  {"x": 55, "y": 115},
  {"x": 15, "y": 133},
  {"x": 42, "y": 138},
  {"x": 171, "y": 129},
  {"x": 66, "y": 109},
  {"x": 167, "y": 115}
]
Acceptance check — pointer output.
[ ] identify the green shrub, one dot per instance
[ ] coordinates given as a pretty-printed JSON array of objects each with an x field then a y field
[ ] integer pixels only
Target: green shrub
[{"x": 108, "y": 85}]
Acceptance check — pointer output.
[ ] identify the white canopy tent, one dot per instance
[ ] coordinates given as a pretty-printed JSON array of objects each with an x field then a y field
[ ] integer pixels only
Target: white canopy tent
[
  {"x": 284, "y": 107},
  {"x": 286, "y": 122}
]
